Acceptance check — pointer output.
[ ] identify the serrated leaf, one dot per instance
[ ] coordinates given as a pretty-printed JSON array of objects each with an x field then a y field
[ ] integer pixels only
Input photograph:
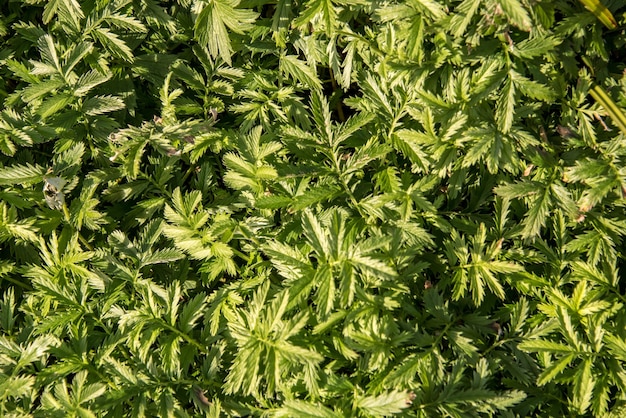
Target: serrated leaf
[
  {"x": 48, "y": 52},
  {"x": 583, "y": 387},
  {"x": 551, "y": 372},
  {"x": 516, "y": 13},
  {"x": 99, "y": 105},
  {"x": 113, "y": 43},
  {"x": 505, "y": 106},
  {"x": 463, "y": 16},
  {"x": 408, "y": 142},
  {"x": 537, "y": 215},
  {"x": 76, "y": 55},
  {"x": 534, "y": 47},
  {"x": 300, "y": 71},
  {"x": 385, "y": 404},
  {"x": 531, "y": 88},
  {"x": 166, "y": 255},
  {"x": 192, "y": 311},
  {"x": 35, "y": 91},
  {"x": 22, "y": 174},
  {"x": 212, "y": 24},
  {"x": 67, "y": 6},
  {"x": 518, "y": 189},
  {"x": 126, "y": 22},
  {"x": 16, "y": 386},
  {"x": 323, "y": 8},
  {"x": 315, "y": 234},
  {"x": 273, "y": 202},
  {"x": 88, "y": 81},
  {"x": 54, "y": 104},
  {"x": 546, "y": 346},
  {"x": 297, "y": 408}
]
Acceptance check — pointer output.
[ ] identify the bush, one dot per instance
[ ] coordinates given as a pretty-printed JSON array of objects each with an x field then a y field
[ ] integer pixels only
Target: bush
[{"x": 312, "y": 208}]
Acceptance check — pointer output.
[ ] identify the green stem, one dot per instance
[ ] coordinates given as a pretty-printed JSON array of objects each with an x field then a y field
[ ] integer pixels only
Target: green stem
[
  {"x": 241, "y": 255},
  {"x": 337, "y": 168},
  {"x": 184, "y": 336},
  {"x": 14, "y": 281},
  {"x": 155, "y": 184}
]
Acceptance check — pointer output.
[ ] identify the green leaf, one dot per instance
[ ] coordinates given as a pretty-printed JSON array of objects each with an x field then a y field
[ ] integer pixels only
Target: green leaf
[
  {"x": 244, "y": 208},
  {"x": 99, "y": 105},
  {"x": 22, "y": 174},
  {"x": 324, "y": 9},
  {"x": 551, "y": 372},
  {"x": 385, "y": 404},
  {"x": 531, "y": 88},
  {"x": 537, "y": 215},
  {"x": 297, "y": 408},
  {"x": 273, "y": 202},
  {"x": 76, "y": 55},
  {"x": 534, "y": 47},
  {"x": 54, "y": 104},
  {"x": 57, "y": 7},
  {"x": 410, "y": 144},
  {"x": 16, "y": 387},
  {"x": 583, "y": 387},
  {"x": 282, "y": 15},
  {"x": 603, "y": 99},
  {"x": 299, "y": 70},
  {"x": 600, "y": 11},
  {"x": 545, "y": 346},
  {"x": 161, "y": 256},
  {"x": 125, "y": 22},
  {"x": 88, "y": 81},
  {"x": 505, "y": 107},
  {"x": 315, "y": 234},
  {"x": 192, "y": 312},
  {"x": 113, "y": 43},
  {"x": 516, "y": 13},
  {"x": 214, "y": 20},
  {"x": 463, "y": 16},
  {"x": 37, "y": 90}
]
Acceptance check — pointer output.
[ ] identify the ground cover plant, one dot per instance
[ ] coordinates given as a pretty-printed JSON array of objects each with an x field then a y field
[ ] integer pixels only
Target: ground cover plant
[{"x": 312, "y": 208}]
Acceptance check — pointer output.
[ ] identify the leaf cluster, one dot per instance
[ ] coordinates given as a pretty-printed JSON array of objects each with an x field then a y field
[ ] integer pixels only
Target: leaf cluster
[{"x": 312, "y": 208}]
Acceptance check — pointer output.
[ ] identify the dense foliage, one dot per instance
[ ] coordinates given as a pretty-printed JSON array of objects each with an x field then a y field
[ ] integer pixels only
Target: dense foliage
[{"x": 320, "y": 208}]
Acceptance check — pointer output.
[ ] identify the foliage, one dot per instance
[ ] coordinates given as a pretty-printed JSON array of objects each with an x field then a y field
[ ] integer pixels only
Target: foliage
[{"x": 321, "y": 208}]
